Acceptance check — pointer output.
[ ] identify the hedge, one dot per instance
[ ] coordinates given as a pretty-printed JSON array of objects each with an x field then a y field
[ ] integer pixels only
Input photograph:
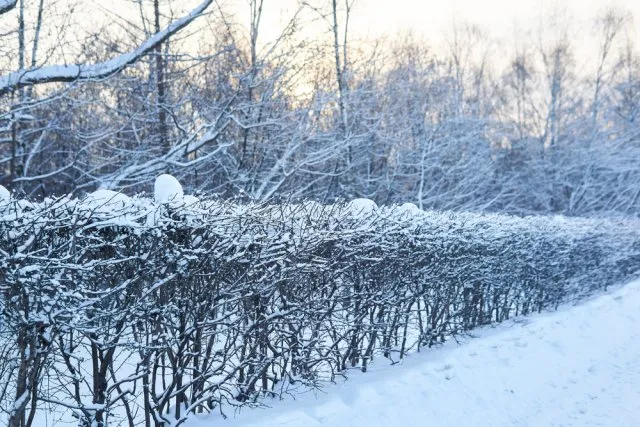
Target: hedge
[{"x": 131, "y": 312}]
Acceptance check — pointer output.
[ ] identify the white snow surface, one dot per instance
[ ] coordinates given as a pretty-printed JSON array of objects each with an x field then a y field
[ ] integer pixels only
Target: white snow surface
[
  {"x": 167, "y": 189},
  {"x": 107, "y": 198},
  {"x": 190, "y": 200},
  {"x": 6, "y": 5},
  {"x": 364, "y": 206},
  {"x": 5, "y": 195},
  {"x": 579, "y": 366},
  {"x": 409, "y": 209}
]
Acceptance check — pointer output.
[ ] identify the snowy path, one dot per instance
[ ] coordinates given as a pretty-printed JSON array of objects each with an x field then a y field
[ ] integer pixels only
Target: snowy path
[{"x": 579, "y": 366}]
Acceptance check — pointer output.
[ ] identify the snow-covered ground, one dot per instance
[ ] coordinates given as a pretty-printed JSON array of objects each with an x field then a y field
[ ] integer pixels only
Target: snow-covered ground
[{"x": 579, "y": 366}]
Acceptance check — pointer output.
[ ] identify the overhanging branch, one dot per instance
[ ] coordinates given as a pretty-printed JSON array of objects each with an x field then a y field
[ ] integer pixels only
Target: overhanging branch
[
  {"x": 7, "y": 5},
  {"x": 72, "y": 73}
]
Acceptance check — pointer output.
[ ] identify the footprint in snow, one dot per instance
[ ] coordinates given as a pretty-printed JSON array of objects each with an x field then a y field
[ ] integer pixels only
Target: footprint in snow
[{"x": 444, "y": 368}]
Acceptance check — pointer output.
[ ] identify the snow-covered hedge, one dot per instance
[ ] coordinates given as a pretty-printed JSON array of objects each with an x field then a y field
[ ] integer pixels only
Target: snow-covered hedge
[{"x": 117, "y": 308}]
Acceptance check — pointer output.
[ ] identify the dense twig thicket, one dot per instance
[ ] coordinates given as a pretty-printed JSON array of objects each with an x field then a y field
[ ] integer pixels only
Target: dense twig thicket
[{"x": 133, "y": 313}]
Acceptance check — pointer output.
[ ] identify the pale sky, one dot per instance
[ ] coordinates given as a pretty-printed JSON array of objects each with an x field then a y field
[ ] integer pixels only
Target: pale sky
[
  {"x": 431, "y": 19},
  {"x": 428, "y": 18},
  {"x": 506, "y": 22}
]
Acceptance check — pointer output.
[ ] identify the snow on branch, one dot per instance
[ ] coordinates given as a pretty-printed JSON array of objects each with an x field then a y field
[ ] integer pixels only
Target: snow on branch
[
  {"x": 146, "y": 169},
  {"x": 7, "y": 5},
  {"x": 71, "y": 73}
]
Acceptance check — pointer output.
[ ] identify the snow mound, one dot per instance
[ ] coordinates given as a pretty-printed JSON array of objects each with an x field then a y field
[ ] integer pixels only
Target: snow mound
[
  {"x": 109, "y": 198},
  {"x": 362, "y": 206},
  {"x": 26, "y": 205},
  {"x": 106, "y": 203},
  {"x": 5, "y": 195},
  {"x": 409, "y": 209},
  {"x": 167, "y": 188},
  {"x": 190, "y": 200}
]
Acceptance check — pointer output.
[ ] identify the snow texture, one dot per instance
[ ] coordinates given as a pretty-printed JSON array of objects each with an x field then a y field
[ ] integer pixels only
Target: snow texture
[
  {"x": 579, "y": 366},
  {"x": 409, "y": 209},
  {"x": 167, "y": 189},
  {"x": 7, "y": 5},
  {"x": 107, "y": 198},
  {"x": 190, "y": 200},
  {"x": 5, "y": 195},
  {"x": 363, "y": 206}
]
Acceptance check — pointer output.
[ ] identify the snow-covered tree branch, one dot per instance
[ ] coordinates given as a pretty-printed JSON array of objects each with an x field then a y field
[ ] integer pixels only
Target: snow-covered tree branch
[
  {"x": 79, "y": 72},
  {"x": 7, "y": 5}
]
